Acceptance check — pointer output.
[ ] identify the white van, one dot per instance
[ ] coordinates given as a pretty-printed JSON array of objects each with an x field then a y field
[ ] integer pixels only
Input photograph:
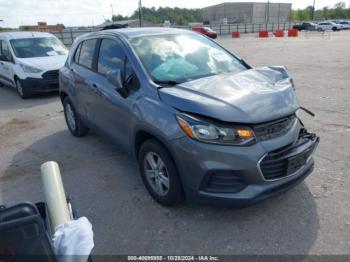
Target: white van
[{"x": 30, "y": 61}]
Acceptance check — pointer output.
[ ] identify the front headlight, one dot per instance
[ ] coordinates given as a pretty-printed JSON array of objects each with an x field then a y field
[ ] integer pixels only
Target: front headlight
[
  {"x": 30, "y": 69},
  {"x": 212, "y": 133}
]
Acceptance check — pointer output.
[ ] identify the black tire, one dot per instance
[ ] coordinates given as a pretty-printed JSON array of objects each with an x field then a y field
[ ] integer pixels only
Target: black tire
[
  {"x": 22, "y": 90},
  {"x": 335, "y": 29},
  {"x": 174, "y": 194},
  {"x": 78, "y": 129}
]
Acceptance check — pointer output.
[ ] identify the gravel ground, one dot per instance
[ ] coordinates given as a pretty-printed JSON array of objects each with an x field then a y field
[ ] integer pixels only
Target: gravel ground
[{"x": 313, "y": 218}]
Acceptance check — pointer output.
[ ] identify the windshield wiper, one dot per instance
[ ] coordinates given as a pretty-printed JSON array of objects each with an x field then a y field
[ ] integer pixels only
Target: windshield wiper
[{"x": 167, "y": 82}]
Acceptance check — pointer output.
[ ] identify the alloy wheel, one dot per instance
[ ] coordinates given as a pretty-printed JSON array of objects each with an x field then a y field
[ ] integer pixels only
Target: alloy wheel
[
  {"x": 19, "y": 88},
  {"x": 156, "y": 173},
  {"x": 70, "y": 117}
]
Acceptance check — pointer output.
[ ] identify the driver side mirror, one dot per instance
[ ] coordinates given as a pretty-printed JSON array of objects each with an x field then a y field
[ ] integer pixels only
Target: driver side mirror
[{"x": 115, "y": 78}]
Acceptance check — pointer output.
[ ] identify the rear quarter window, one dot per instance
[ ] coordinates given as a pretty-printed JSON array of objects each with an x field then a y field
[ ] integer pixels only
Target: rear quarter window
[
  {"x": 76, "y": 54},
  {"x": 86, "y": 54}
]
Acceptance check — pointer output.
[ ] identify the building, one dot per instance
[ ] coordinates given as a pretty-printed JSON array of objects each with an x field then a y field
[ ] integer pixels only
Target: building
[
  {"x": 241, "y": 12},
  {"x": 42, "y": 26}
]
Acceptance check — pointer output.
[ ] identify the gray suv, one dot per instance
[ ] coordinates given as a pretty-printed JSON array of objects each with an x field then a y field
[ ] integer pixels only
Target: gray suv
[{"x": 202, "y": 124}]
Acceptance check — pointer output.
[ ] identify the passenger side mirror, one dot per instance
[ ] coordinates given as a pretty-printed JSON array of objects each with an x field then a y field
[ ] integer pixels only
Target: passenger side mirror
[
  {"x": 4, "y": 58},
  {"x": 115, "y": 78}
]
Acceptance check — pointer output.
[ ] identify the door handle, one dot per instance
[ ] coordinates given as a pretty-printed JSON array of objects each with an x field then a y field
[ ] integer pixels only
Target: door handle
[{"x": 95, "y": 88}]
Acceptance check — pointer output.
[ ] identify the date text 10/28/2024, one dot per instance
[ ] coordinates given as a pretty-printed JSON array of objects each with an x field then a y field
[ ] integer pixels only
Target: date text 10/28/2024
[{"x": 173, "y": 258}]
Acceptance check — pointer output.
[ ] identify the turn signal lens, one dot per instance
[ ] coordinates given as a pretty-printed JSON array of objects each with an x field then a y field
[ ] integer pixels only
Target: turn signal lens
[
  {"x": 185, "y": 127},
  {"x": 245, "y": 133}
]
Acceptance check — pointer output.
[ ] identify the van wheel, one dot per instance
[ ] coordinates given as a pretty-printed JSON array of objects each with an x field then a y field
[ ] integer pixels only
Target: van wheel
[
  {"x": 159, "y": 173},
  {"x": 74, "y": 123},
  {"x": 21, "y": 90}
]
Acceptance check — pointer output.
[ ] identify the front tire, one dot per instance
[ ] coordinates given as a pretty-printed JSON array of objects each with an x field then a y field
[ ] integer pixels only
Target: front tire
[
  {"x": 21, "y": 90},
  {"x": 159, "y": 173},
  {"x": 74, "y": 122}
]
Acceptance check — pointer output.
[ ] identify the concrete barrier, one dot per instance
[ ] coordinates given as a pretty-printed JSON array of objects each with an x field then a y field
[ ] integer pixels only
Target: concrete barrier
[
  {"x": 236, "y": 34},
  {"x": 263, "y": 34},
  {"x": 279, "y": 33},
  {"x": 293, "y": 32}
]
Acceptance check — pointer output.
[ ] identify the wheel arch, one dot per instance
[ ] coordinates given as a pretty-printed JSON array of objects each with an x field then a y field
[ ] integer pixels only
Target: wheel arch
[
  {"x": 144, "y": 134},
  {"x": 63, "y": 96}
]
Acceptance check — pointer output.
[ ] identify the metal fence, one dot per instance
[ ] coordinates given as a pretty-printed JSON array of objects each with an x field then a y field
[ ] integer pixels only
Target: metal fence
[
  {"x": 68, "y": 35},
  {"x": 223, "y": 29}
]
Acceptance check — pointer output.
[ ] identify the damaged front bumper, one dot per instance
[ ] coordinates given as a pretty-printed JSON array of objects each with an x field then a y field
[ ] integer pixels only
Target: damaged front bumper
[{"x": 276, "y": 172}]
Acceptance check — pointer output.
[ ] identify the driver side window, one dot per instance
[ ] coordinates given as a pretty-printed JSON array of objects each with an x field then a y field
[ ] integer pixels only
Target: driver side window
[{"x": 111, "y": 57}]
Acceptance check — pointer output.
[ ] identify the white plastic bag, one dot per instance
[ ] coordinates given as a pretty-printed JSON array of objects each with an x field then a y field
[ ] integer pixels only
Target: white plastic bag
[{"x": 74, "y": 240}]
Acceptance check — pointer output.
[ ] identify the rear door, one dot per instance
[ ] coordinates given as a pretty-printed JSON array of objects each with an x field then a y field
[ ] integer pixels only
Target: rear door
[
  {"x": 84, "y": 76},
  {"x": 6, "y": 67}
]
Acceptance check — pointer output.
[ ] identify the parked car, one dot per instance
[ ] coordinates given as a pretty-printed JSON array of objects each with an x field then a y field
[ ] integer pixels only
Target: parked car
[
  {"x": 329, "y": 25},
  {"x": 166, "y": 23},
  {"x": 309, "y": 26},
  {"x": 29, "y": 61},
  {"x": 201, "y": 122},
  {"x": 345, "y": 24},
  {"x": 205, "y": 31}
]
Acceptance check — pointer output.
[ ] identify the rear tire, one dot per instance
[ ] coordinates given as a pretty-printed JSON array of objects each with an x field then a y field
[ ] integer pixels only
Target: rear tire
[
  {"x": 74, "y": 122},
  {"x": 160, "y": 178},
  {"x": 21, "y": 90}
]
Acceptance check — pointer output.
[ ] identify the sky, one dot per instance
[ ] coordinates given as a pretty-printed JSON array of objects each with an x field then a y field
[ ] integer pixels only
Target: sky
[{"x": 93, "y": 12}]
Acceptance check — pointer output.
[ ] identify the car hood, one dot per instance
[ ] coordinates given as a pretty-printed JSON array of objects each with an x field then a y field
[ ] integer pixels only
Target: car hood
[
  {"x": 251, "y": 96},
  {"x": 45, "y": 63}
]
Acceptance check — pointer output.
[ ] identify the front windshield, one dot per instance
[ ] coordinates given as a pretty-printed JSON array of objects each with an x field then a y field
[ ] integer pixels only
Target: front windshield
[
  {"x": 37, "y": 47},
  {"x": 183, "y": 57}
]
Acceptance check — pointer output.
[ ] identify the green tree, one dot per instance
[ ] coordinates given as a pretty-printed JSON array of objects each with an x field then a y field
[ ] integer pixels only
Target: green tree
[
  {"x": 118, "y": 18},
  {"x": 325, "y": 12},
  {"x": 340, "y": 10},
  {"x": 180, "y": 20}
]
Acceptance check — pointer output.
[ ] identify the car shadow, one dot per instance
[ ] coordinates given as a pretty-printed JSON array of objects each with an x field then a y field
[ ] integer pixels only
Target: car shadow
[
  {"x": 106, "y": 188},
  {"x": 9, "y": 99}
]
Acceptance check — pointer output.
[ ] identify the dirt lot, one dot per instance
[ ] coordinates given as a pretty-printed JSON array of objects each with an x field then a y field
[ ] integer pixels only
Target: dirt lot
[{"x": 313, "y": 218}]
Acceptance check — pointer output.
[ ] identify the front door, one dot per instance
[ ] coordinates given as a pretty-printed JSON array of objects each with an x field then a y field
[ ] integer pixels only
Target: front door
[
  {"x": 112, "y": 108},
  {"x": 6, "y": 64}
]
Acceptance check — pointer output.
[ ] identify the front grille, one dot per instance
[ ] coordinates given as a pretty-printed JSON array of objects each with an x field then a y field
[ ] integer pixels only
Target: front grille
[
  {"x": 223, "y": 181},
  {"x": 51, "y": 75},
  {"x": 283, "y": 162},
  {"x": 274, "y": 129}
]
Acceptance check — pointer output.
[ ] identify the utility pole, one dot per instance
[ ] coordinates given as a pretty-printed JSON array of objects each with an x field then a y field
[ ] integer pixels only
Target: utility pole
[
  {"x": 112, "y": 12},
  {"x": 267, "y": 12},
  {"x": 140, "y": 13},
  {"x": 313, "y": 11}
]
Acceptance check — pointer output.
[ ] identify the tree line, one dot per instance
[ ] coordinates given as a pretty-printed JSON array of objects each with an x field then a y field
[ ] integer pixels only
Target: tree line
[
  {"x": 183, "y": 16},
  {"x": 339, "y": 11},
  {"x": 179, "y": 16}
]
